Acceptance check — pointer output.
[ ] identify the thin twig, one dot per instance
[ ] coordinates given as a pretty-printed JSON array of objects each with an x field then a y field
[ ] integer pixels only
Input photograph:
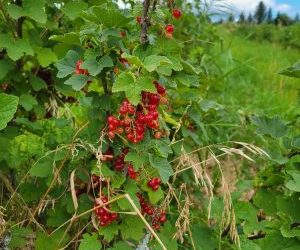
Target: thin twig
[{"x": 145, "y": 22}]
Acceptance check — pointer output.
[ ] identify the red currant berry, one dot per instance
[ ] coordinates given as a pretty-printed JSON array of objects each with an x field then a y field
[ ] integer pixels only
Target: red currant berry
[
  {"x": 122, "y": 33},
  {"x": 125, "y": 151},
  {"x": 169, "y": 28},
  {"x": 131, "y": 109},
  {"x": 159, "y": 88},
  {"x": 120, "y": 130},
  {"x": 138, "y": 19},
  {"x": 127, "y": 121},
  {"x": 157, "y": 135},
  {"x": 156, "y": 226},
  {"x": 111, "y": 135},
  {"x": 163, "y": 218},
  {"x": 176, "y": 13},
  {"x": 123, "y": 110}
]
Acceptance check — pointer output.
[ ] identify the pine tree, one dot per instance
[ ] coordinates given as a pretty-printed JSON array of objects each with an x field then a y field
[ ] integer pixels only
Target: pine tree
[
  {"x": 277, "y": 18},
  {"x": 242, "y": 18},
  {"x": 270, "y": 16},
  {"x": 250, "y": 18},
  {"x": 230, "y": 18},
  {"x": 260, "y": 12}
]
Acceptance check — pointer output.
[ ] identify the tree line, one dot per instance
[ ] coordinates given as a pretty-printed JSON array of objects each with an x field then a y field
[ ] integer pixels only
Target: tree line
[{"x": 262, "y": 14}]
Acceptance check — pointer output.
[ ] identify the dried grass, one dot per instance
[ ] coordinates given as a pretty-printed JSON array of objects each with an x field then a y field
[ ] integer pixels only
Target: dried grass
[
  {"x": 202, "y": 172},
  {"x": 2, "y": 222}
]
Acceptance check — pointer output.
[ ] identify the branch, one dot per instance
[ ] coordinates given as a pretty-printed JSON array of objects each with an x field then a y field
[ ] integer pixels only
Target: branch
[
  {"x": 154, "y": 5},
  {"x": 145, "y": 22}
]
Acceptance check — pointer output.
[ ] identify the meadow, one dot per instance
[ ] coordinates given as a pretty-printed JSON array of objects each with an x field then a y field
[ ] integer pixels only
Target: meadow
[{"x": 254, "y": 83}]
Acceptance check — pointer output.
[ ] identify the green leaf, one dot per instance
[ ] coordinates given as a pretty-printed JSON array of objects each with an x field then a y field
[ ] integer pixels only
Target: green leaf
[
  {"x": 30, "y": 8},
  {"x": 121, "y": 246},
  {"x": 41, "y": 169},
  {"x": 265, "y": 200},
  {"x": 17, "y": 49},
  {"x": 294, "y": 184},
  {"x": 71, "y": 38},
  {"x": 166, "y": 234},
  {"x": 18, "y": 237},
  {"x": 37, "y": 83},
  {"x": 95, "y": 67},
  {"x": 165, "y": 70},
  {"x": 35, "y": 10},
  {"x": 5, "y": 67},
  {"x": 189, "y": 68},
  {"x": 57, "y": 216},
  {"x": 270, "y": 126},
  {"x": 52, "y": 241},
  {"x": 27, "y": 101},
  {"x": 249, "y": 245},
  {"x": 162, "y": 148},
  {"x": 109, "y": 232},
  {"x": 152, "y": 62},
  {"x": 293, "y": 71},
  {"x": 204, "y": 237},
  {"x": 289, "y": 206},
  {"x": 110, "y": 17},
  {"x": 288, "y": 231},
  {"x": 162, "y": 165},
  {"x": 133, "y": 60},
  {"x": 133, "y": 87},
  {"x": 245, "y": 211},
  {"x": 67, "y": 65},
  {"x": 90, "y": 242},
  {"x": 136, "y": 159},
  {"x": 130, "y": 188},
  {"x": 45, "y": 56},
  {"x": 77, "y": 81},
  {"x": 15, "y": 11},
  {"x": 132, "y": 227},
  {"x": 8, "y": 106},
  {"x": 74, "y": 8},
  {"x": 119, "y": 179},
  {"x": 155, "y": 196},
  {"x": 275, "y": 241},
  {"x": 168, "y": 118}
]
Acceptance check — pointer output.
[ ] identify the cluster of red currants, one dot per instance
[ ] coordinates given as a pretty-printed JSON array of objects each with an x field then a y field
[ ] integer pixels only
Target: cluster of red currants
[
  {"x": 131, "y": 172},
  {"x": 154, "y": 183},
  {"x": 119, "y": 162},
  {"x": 79, "y": 70},
  {"x": 157, "y": 216},
  {"x": 134, "y": 121},
  {"x": 104, "y": 216},
  {"x": 120, "y": 165}
]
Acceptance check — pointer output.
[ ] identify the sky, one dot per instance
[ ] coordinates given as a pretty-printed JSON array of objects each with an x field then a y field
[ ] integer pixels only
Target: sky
[{"x": 290, "y": 7}]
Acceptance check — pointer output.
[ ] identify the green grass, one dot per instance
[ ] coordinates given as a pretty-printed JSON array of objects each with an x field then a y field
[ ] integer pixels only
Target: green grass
[{"x": 254, "y": 85}]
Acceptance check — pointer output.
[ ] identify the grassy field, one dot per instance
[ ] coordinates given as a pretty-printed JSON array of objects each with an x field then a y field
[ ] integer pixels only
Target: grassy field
[{"x": 254, "y": 82}]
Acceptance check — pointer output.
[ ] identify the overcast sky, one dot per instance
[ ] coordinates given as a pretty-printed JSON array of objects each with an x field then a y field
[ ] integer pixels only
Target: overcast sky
[{"x": 291, "y": 7}]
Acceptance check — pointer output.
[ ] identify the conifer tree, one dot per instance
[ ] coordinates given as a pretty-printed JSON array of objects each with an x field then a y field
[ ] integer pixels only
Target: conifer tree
[{"x": 260, "y": 12}]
